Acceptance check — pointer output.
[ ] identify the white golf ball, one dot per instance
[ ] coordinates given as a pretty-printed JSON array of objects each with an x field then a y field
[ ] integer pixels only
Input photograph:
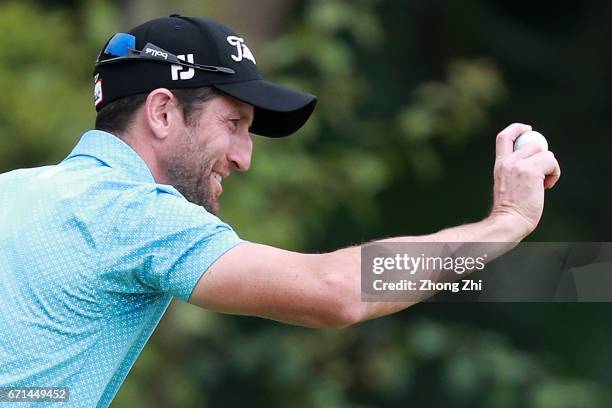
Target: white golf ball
[{"x": 528, "y": 137}]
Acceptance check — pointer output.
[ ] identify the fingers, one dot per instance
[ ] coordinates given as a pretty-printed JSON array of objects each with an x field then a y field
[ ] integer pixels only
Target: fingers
[
  {"x": 547, "y": 164},
  {"x": 504, "y": 144},
  {"x": 529, "y": 150}
]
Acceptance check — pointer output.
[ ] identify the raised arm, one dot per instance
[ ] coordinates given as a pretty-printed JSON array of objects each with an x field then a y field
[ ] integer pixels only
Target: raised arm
[{"x": 324, "y": 290}]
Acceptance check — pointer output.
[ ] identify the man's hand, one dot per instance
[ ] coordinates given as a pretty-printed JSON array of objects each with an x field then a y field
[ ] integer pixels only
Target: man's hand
[{"x": 521, "y": 177}]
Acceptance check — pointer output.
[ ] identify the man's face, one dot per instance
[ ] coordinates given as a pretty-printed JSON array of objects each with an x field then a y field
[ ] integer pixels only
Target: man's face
[{"x": 202, "y": 155}]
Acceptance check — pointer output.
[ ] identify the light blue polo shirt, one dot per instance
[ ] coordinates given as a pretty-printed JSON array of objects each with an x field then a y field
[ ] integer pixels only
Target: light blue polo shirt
[{"x": 92, "y": 251}]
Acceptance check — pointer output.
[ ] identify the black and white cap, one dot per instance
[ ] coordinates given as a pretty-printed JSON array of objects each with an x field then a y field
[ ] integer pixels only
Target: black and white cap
[{"x": 189, "y": 52}]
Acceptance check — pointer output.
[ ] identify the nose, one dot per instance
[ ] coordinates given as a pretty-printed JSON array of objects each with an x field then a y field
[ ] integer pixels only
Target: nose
[{"x": 241, "y": 151}]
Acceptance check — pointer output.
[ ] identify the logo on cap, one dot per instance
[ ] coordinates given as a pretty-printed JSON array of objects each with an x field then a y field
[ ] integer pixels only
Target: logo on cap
[
  {"x": 98, "y": 96},
  {"x": 241, "y": 48},
  {"x": 156, "y": 53},
  {"x": 179, "y": 72}
]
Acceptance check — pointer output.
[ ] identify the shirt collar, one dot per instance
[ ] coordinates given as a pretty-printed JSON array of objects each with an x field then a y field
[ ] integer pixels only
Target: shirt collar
[{"x": 113, "y": 152}]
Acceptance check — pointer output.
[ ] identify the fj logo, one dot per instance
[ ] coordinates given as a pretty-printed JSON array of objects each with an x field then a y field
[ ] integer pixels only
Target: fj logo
[
  {"x": 180, "y": 72},
  {"x": 241, "y": 49}
]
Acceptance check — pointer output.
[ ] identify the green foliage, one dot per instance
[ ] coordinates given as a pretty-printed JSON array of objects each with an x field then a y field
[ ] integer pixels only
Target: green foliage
[
  {"x": 451, "y": 110},
  {"x": 45, "y": 102},
  {"x": 570, "y": 394},
  {"x": 411, "y": 95},
  {"x": 379, "y": 363}
]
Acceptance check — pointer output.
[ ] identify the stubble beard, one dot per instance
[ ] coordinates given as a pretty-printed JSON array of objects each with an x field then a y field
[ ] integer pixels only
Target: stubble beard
[{"x": 189, "y": 169}]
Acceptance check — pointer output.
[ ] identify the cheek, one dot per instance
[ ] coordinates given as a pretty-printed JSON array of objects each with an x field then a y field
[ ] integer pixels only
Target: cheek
[
  {"x": 217, "y": 147},
  {"x": 205, "y": 156},
  {"x": 212, "y": 141}
]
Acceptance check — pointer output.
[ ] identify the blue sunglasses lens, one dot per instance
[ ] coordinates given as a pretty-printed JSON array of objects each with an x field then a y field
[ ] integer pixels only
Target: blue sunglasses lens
[{"x": 120, "y": 45}]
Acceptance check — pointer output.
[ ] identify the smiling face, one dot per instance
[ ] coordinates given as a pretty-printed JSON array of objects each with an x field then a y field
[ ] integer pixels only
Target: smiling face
[{"x": 204, "y": 152}]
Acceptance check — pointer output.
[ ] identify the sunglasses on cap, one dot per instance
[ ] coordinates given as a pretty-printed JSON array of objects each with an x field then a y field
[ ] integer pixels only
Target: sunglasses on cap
[{"x": 122, "y": 47}]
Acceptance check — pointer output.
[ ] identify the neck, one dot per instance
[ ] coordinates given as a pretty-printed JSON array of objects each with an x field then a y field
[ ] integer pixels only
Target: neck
[{"x": 138, "y": 141}]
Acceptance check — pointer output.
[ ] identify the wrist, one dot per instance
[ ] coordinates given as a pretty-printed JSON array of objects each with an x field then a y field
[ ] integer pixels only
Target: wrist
[{"x": 511, "y": 227}]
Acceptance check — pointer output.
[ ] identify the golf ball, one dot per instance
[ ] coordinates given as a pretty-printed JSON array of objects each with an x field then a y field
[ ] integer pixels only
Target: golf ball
[{"x": 528, "y": 137}]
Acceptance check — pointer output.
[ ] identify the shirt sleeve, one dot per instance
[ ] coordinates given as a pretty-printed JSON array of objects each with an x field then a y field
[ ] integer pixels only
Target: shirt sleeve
[{"x": 159, "y": 242}]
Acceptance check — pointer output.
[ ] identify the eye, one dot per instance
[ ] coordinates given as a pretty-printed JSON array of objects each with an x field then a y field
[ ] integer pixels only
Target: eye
[{"x": 234, "y": 122}]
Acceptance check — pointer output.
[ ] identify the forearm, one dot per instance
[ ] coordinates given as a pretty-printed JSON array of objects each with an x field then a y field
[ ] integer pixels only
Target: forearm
[{"x": 346, "y": 263}]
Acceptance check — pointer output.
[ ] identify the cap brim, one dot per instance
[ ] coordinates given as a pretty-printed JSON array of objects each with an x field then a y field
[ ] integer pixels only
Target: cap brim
[{"x": 279, "y": 111}]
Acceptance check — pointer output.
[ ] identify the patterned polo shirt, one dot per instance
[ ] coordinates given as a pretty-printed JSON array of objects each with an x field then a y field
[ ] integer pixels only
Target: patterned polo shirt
[{"x": 92, "y": 251}]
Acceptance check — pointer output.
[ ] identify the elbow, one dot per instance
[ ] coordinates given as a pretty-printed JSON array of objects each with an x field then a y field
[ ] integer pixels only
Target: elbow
[
  {"x": 337, "y": 294},
  {"x": 343, "y": 305},
  {"x": 347, "y": 315},
  {"x": 336, "y": 316}
]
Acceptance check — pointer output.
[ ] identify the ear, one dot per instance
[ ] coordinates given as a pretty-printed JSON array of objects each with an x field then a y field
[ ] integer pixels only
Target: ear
[{"x": 162, "y": 113}]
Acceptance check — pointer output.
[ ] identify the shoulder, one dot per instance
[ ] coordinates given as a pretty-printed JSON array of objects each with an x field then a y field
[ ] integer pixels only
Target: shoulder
[{"x": 151, "y": 210}]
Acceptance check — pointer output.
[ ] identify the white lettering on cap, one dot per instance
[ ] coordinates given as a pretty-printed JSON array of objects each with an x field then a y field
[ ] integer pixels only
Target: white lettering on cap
[
  {"x": 180, "y": 72},
  {"x": 241, "y": 48},
  {"x": 156, "y": 53}
]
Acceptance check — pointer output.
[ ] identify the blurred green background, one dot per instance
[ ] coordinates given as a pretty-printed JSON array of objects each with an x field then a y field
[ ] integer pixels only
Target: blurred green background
[{"x": 412, "y": 94}]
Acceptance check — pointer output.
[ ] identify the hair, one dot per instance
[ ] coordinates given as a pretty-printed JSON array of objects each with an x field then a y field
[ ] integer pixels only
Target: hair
[{"x": 117, "y": 116}]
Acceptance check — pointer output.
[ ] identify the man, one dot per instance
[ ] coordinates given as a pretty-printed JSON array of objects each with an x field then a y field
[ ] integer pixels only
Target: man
[{"x": 94, "y": 248}]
